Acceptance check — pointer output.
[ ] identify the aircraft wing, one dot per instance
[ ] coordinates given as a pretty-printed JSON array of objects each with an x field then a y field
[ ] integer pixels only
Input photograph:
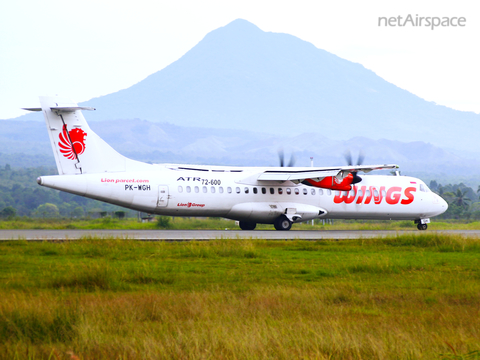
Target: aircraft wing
[{"x": 285, "y": 174}]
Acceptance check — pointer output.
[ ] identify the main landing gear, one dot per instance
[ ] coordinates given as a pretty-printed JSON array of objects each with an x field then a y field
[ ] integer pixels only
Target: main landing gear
[
  {"x": 282, "y": 223},
  {"x": 246, "y": 225}
]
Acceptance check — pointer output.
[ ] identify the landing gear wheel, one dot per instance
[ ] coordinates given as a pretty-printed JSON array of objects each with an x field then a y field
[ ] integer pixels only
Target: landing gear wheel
[
  {"x": 282, "y": 223},
  {"x": 245, "y": 225},
  {"x": 421, "y": 226}
]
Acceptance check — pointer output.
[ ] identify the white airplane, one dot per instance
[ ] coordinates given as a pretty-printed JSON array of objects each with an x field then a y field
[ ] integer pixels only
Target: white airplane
[{"x": 281, "y": 196}]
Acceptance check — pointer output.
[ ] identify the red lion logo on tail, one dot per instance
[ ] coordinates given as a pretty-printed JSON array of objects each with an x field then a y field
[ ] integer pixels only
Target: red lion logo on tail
[{"x": 72, "y": 143}]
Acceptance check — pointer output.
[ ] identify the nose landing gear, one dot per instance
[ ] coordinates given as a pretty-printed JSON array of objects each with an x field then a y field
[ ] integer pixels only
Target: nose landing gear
[{"x": 422, "y": 224}]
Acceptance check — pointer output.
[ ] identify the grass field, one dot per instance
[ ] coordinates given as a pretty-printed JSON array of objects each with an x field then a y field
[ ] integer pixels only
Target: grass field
[
  {"x": 221, "y": 224},
  {"x": 405, "y": 297}
]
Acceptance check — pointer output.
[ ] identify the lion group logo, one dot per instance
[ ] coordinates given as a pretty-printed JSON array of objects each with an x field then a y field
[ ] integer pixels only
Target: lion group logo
[{"x": 72, "y": 143}]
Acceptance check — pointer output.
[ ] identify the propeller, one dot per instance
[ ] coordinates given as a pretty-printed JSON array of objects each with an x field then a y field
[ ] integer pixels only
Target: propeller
[
  {"x": 281, "y": 157},
  {"x": 348, "y": 158}
]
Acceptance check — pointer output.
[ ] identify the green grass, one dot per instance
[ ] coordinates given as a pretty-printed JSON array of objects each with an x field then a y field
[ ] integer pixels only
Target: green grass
[
  {"x": 220, "y": 224},
  {"x": 403, "y": 297}
]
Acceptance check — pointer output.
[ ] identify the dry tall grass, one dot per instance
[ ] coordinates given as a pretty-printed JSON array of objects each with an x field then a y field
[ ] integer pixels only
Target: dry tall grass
[
  {"x": 277, "y": 323},
  {"x": 376, "y": 299}
]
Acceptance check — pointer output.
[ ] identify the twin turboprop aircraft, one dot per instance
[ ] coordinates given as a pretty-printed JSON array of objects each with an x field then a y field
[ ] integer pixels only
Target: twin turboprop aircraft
[{"x": 88, "y": 166}]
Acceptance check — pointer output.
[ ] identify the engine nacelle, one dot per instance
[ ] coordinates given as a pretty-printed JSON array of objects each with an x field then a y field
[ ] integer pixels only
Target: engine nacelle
[{"x": 331, "y": 182}]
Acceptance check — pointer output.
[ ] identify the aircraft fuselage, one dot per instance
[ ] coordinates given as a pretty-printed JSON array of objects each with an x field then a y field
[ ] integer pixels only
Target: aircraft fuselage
[{"x": 235, "y": 193}]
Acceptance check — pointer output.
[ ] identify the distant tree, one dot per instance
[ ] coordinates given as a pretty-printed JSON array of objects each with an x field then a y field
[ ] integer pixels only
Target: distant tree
[
  {"x": 461, "y": 199},
  {"x": 468, "y": 191},
  {"x": 77, "y": 212},
  {"x": 8, "y": 212},
  {"x": 440, "y": 189},
  {"x": 457, "y": 198},
  {"x": 47, "y": 210}
]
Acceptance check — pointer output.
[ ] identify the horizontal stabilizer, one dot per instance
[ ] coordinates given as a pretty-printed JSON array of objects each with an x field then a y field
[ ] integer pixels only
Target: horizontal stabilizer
[
  {"x": 62, "y": 108},
  {"x": 70, "y": 108}
]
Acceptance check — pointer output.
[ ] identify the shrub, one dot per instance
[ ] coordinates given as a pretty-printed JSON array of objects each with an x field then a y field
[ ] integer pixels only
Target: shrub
[{"x": 163, "y": 222}]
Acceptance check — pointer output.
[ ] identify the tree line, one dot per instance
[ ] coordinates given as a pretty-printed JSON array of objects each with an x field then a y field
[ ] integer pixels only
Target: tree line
[
  {"x": 463, "y": 201},
  {"x": 20, "y": 195}
]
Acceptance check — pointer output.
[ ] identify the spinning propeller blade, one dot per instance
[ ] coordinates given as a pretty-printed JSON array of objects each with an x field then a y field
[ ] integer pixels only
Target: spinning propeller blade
[
  {"x": 348, "y": 158},
  {"x": 281, "y": 157}
]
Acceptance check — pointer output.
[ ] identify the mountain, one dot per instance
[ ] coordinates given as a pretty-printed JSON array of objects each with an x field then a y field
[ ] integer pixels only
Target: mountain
[{"x": 242, "y": 78}]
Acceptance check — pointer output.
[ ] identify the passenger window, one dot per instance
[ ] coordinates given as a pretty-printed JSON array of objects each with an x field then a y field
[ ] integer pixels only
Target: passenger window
[
  {"x": 272, "y": 191},
  {"x": 422, "y": 188},
  {"x": 375, "y": 193},
  {"x": 329, "y": 192},
  {"x": 246, "y": 190},
  {"x": 220, "y": 190},
  {"x": 212, "y": 189},
  {"x": 180, "y": 189},
  {"x": 197, "y": 189},
  {"x": 367, "y": 192},
  {"x": 384, "y": 193},
  {"x": 360, "y": 193},
  {"x": 189, "y": 189},
  {"x": 280, "y": 191},
  {"x": 320, "y": 192},
  {"x": 305, "y": 191},
  {"x": 237, "y": 189},
  {"x": 313, "y": 191},
  {"x": 255, "y": 190},
  {"x": 289, "y": 191},
  {"x": 205, "y": 190},
  {"x": 229, "y": 190},
  {"x": 264, "y": 191}
]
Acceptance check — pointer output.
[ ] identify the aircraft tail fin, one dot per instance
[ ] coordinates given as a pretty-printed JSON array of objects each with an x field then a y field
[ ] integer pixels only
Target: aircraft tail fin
[{"x": 77, "y": 149}]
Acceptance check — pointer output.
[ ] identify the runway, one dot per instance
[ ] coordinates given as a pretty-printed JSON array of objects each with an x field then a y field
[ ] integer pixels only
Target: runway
[{"x": 188, "y": 235}]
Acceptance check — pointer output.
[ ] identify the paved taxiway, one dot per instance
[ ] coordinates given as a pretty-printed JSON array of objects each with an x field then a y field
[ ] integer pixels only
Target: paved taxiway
[{"x": 181, "y": 235}]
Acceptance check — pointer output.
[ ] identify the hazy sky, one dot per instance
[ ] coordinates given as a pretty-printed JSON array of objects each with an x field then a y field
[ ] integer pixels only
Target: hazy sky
[{"x": 88, "y": 48}]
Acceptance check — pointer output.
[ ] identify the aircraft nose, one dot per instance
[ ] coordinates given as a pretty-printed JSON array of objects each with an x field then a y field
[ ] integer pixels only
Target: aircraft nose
[{"x": 442, "y": 205}]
